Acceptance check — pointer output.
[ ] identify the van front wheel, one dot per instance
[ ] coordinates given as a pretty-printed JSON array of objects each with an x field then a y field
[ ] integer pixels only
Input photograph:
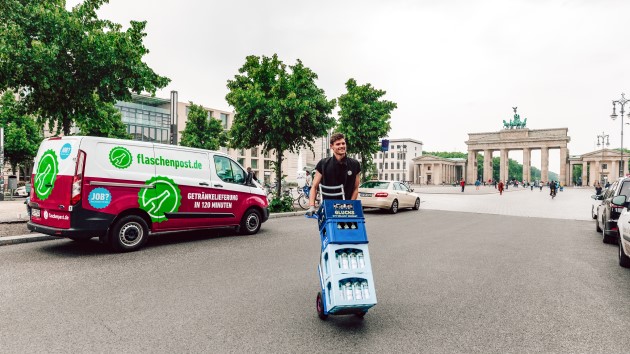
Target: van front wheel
[
  {"x": 129, "y": 234},
  {"x": 250, "y": 223}
]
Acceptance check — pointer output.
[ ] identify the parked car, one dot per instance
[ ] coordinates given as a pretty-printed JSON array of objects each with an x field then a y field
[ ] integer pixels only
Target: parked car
[
  {"x": 597, "y": 201},
  {"x": 20, "y": 192},
  {"x": 608, "y": 212},
  {"x": 389, "y": 195},
  {"x": 623, "y": 224}
]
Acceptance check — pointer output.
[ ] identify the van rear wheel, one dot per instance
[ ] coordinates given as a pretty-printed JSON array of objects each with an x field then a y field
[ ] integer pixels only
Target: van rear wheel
[
  {"x": 129, "y": 234},
  {"x": 250, "y": 223}
]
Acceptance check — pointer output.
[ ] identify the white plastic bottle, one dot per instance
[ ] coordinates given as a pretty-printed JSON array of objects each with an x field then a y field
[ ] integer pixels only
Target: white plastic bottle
[
  {"x": 366, "y": 290},
  {"x": 360, "y": 259},
  {"x": 342, "y": 289},
  {"x": 349, "y": 294},
  {"x": 358, "y": 291},
  {"x": 353, "y": 260},
  {"x": 344, "y": 260}
]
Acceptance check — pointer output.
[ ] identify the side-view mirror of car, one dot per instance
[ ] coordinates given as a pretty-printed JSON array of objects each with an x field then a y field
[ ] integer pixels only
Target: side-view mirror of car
[
  {"x": 411, "y": 189},
  {"x": 619, "y": 200}
]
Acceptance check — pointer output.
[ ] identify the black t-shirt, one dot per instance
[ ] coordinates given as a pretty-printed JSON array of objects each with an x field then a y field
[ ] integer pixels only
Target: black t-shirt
[{"x": 336, "y": 172}]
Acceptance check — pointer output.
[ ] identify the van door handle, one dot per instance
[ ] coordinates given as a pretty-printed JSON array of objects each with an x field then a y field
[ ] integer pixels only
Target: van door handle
[
  {"x": 218, "y": 185},
  {"x": 203, "y": 184},
  {"x": 48, "y": 185}
]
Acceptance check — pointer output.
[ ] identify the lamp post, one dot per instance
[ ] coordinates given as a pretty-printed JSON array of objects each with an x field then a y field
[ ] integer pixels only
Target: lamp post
[
  {"x": 622, "y": 102},
  {"x": 604, "y": 142}
]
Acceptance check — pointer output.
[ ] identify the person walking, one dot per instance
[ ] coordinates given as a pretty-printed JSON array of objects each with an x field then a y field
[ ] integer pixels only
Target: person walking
[
  {"x": 500, "y": 187},
  {"x": 598, "y": 188},
  {"x": 338, "y": 169},
  {"x": 477, "y": 184},
  {"x": 463, "y": 184}
]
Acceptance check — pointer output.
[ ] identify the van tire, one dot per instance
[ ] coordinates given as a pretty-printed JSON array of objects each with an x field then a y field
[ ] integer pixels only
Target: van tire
[
  {"x": 129, "y": 234},
  {"x": 250, "y": 223}
]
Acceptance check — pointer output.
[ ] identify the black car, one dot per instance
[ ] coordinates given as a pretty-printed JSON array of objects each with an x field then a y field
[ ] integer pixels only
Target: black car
[{"x": 608, "y": 212}]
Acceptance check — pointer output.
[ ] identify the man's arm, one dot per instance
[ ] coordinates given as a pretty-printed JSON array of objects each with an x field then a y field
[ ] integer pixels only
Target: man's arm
[
  {"x": 316, "y": 181},
  {"x": 355, "y": 192}
]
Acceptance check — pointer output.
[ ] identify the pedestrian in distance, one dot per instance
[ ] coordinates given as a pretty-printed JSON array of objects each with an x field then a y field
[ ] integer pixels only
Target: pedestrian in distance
[
  {"x": 500, "y": 187},
  {"x": 338, "y": 169},
  {"x": 463, "y": 184},
  {"x": 598, "y": 188},
  {"x": 477, "y": 184}
]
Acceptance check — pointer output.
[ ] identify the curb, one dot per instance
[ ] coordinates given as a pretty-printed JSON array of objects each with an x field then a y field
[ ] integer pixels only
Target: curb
[{"x": 12, "y": 240}]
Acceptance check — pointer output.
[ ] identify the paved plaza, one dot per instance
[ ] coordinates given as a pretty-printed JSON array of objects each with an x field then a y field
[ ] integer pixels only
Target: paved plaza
[{"x": 572, "y": 203}]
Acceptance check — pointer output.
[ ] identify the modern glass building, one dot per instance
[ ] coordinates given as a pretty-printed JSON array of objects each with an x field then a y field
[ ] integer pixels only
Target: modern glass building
[{"x": 147, "y": 118}]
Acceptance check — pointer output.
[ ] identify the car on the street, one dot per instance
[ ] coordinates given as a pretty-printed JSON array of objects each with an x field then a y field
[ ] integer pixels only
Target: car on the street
[
  {"x": 608, "y": 212},
  {"x": 20, "y": 192},
  {"x": 623, "y": 224},
  {"x": 595, "y": 203},
  {"x": 388, "y": 195}
]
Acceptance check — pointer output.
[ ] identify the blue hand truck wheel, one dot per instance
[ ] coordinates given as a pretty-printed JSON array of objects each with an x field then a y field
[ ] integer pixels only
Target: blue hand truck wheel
[{"x": 320, "y": 307}]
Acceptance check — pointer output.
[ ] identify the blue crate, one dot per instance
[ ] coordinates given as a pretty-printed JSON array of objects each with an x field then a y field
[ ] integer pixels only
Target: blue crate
[
  {"x": 332, "y": 261},
  {"x": 344, "y": 231},
  {"x": 338, "y": 299},
  {"x": 339, "y": 209}
]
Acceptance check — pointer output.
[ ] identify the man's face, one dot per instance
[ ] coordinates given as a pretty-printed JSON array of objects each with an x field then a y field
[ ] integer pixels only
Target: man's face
[{"x": 339, "y": 147}]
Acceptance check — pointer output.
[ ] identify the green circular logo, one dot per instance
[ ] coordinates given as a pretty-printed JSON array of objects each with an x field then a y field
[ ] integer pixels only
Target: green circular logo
[
  {"x": 120, "y": 157},
  {"x": 164, "y": 197},
  {"x": 46, "y": 174}
]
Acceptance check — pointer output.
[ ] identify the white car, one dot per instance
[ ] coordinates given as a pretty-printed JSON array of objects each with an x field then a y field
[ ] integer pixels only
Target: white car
[
  {"x": 20, "y": 192},
  {"x": 623, "y": 223},
  {"x": 391, "y": 195}
]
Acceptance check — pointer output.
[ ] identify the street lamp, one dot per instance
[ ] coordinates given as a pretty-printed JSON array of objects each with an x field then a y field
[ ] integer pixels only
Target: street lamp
[
  {"x": 604, "y": 142},
  {"x": 622, "y": 102}
]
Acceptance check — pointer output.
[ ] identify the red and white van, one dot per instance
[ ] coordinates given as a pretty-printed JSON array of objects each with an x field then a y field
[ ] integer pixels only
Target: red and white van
[{"x": 123, "y": 190}]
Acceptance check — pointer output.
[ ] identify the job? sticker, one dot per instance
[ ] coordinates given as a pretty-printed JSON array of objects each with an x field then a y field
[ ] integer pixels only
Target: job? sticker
[{"x": 99, "y": 198}]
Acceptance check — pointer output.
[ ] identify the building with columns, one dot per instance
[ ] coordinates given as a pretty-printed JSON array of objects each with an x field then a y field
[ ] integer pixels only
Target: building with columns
[
  {"x": 434, "y": 170},
  {"x": 601, "y": 165}
]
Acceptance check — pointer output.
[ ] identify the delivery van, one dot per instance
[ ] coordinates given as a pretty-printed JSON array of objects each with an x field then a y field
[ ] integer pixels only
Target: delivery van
[{"x": 121, "y": 191}]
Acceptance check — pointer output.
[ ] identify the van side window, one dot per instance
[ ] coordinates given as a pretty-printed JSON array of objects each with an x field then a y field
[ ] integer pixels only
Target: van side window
[{"x": 228, "y": 170}]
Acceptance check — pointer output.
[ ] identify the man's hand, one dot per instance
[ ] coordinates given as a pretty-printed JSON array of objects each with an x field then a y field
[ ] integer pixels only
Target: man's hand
[{"x": 310, "y": 211}]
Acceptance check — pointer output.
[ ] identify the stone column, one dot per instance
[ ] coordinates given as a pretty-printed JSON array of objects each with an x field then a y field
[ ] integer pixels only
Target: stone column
[
  {"x": 544, "y": 162},
  {"x": 470, "y": 167},
  {"x": 503, "y": 162},
  {"x": 594, "y": 175},
  {"x": 527, "y": 164},
  {"x": 584, "y": 167},
  {"x": 563, "y": 166},
  {"x": 570, "y": 181},
  {"x": 487, "y": 165}
]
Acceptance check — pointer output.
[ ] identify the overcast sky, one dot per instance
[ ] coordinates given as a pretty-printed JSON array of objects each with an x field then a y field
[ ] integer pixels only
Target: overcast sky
[{"x": 453, "y": 67}]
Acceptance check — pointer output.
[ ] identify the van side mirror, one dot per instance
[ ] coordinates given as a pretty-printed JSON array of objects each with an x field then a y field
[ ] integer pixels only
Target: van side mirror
[{"x": 619, "y": 200}]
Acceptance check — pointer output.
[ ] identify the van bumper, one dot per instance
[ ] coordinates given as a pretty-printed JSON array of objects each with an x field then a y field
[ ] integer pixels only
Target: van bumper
[
  {"x": 70, "y": 233},
  {"x": 265, "y": 214}
]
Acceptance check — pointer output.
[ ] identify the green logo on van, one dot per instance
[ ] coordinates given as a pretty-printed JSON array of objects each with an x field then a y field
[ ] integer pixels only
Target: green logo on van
[
  {"x": 165, "y": 197},
  {"x": 120, "y": 157},
  {"x": 46, "y": 174}
]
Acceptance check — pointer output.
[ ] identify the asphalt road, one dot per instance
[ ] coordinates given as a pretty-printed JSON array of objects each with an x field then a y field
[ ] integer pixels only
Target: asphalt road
[{"x": 446, "y": 282}]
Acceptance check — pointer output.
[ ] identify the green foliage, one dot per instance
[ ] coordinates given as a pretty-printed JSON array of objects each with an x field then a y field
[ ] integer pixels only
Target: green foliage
[
  {"x": 202, "y": 131},
  {"x": 281, "y": 205},
  {"x": 577, "y": 173},
  {"x": 278, "y": 107},
  {"x": 105, "y": 121},
  {"x": 22, "y": 135},
  {"x": 364, "y": 118},
  {"x": 58, "y": 59},
  {"x": 446, "y": 154}
]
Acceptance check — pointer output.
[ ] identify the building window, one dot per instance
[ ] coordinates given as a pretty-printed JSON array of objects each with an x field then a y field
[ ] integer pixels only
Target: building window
[
  {"x": 267, "y": 164},
  {"x": 254, "y": 152},
  {"x": 604, "y": 166},
  {"x": 266, "y": 154},
  {"x": 209, "y": 115},
  {"x": 392, "y": 155},
  {"x": 254, "y": 164},
  {"x": 241, "y": 161},
  {"x": 398, "y": 176},
  {"x": 429, "y": 168},
  {"x": 241, "y": 152},
  {"x": 224, "y": 120},
  {"x": 380, "y": 165},
  {"x": 386, "y": 176},
  {"x": 386, "y": 167},
  {"x": 398, "y": 165}
]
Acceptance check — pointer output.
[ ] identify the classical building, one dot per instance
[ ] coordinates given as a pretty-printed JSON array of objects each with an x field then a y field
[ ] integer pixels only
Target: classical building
[
  {"x": 601, "y": 165},
  {"x": 434, "y": 170}
]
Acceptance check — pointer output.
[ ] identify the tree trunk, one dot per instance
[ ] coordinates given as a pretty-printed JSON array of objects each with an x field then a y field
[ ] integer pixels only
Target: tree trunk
[
  {"x": 67, "y": 124},
  {"x": 278, "y": 172},
  {"x": 363, "y": 168}
]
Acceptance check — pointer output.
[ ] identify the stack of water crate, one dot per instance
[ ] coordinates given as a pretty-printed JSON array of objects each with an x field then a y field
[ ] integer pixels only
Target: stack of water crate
[{"x": 345, "y": 268}]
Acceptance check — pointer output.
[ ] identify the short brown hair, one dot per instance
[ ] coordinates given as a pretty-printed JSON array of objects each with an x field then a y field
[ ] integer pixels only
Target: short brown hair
[{"x": 335, "y": 137}]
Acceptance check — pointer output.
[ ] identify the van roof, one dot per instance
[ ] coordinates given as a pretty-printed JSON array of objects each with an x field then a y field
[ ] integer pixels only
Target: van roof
[{"x": 125, "y": 141}]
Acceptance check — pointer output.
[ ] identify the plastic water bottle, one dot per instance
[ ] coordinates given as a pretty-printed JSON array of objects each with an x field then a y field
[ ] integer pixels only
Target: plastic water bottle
[
  {"x": 344, "y": 261},
  {"x": 339, "y": 226},
  {"x": 358, "y": 290},
  {"x": 353, "y": 260},
  {"x": 348, "y": 287},
  {"x": 366, "y": 290},
  {"x": 361, "y": 260},
  {"x": 342, "y": 289}
]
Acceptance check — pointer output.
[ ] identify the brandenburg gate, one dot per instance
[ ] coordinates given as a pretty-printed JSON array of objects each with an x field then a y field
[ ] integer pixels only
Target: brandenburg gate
[{"x": 519, "y": 138}]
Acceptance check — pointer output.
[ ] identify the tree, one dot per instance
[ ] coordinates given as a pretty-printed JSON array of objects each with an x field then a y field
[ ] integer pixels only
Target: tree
[
  {"x": 22, "y": 135},
  {"x": 203, "y": 131},
  {"x": 105, "y": 121},
  {"x": 364, "y": 118},
  {"x": 280, "y": 109},
  {"x": 58, "y": 59}
]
